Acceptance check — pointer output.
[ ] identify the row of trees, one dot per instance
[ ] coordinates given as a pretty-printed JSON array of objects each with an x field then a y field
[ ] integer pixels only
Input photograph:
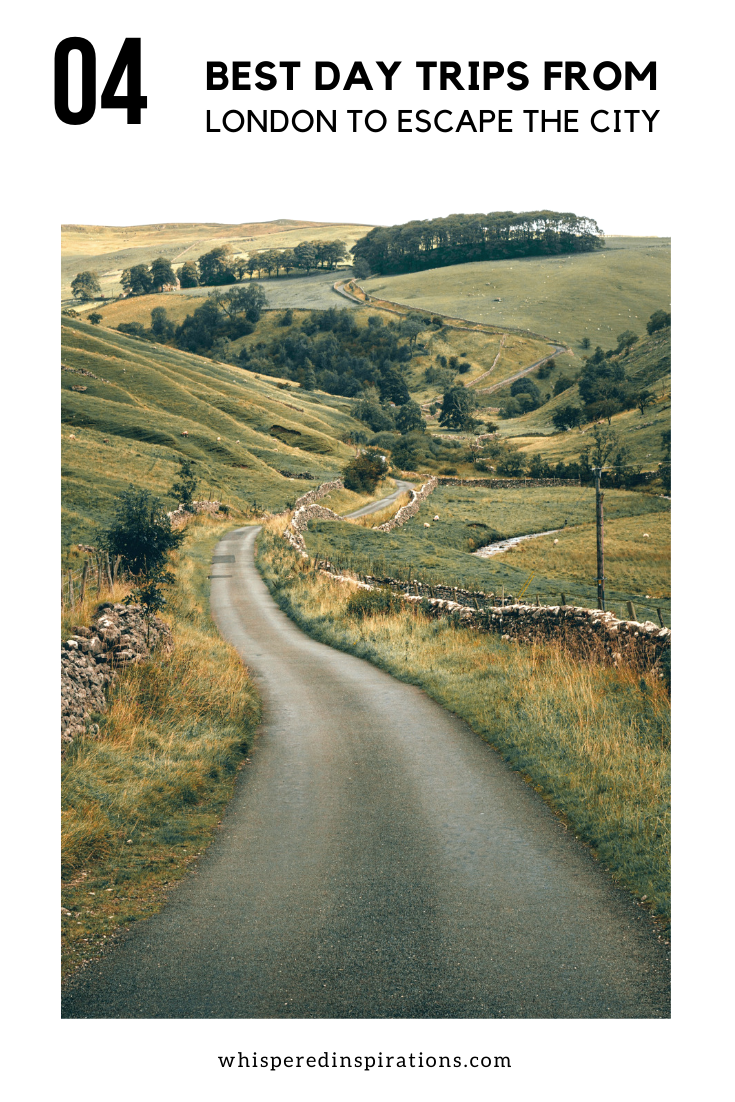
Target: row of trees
[
  {"x": 461, "y": 238},
  {"x": 217, "y": 268},
  {"x": 221, "y": 266}
]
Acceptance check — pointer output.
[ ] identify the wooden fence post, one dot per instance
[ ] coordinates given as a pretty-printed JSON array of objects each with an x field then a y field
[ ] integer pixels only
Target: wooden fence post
[
  {"x": 660, "y": 617},
  {"x": 85, "y": 571},
  {"x": 109, "y": 569},
  {"x": 115, "y": 569},
  {"x": 71, "y": 590},
  {"x": 631, "y": 610},
  {"x": 99, "y": 572}
]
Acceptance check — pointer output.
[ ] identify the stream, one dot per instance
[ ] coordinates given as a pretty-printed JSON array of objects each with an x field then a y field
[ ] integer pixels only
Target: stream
[{"x": 491, "y": 549}]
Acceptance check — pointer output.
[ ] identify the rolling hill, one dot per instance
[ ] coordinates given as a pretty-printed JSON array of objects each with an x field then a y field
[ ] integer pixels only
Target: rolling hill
[
  {"x": 126, "y": 403},
  {"x": 110, "y": 249}
]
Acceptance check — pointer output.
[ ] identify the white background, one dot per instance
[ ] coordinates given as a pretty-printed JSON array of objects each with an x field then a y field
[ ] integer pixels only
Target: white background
[{"x": 169, "y": 169}]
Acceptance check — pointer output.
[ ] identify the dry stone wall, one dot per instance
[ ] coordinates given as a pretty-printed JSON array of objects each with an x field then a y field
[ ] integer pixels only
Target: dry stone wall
[
  {"x": 587, "y": 631},
  {"x": 91, "y": 656},
  {"x": 411, "y": 509},
  {"x": 321, "y": 491},
  {"x": 507, "y": 483},
  {"x": 179, "y": 517}
]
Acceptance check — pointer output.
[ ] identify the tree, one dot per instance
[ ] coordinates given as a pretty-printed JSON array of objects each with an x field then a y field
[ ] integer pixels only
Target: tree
[
  {"x": 604, "y": 443},
  {"x": 456, "y": 411},
  {"x": 626, "y": 341},
  {"x": 137, "y": 280},
  {"x": 214, "y": 267},
  {"x": 288, "y": 261},
  {"x": 95, "y": 318},
  {"x": 305, "y": 256},
  {"x": 162, "y": 274},
  {"x": 161, "y": 328},
  {"x": 405, "y": 452},
  {"x": 148, "y": 593},
  {"x": 86, "y": 286},
  {"x": 643, "y": 399},
  {"x": 361, "y": 268},
  {"x": 309, "y": 379},
  {"x": 584, "y": 343},
  {"x": 561, "y": 384},
  {"x": 566, "y": 417},
  {"x": 526, "y": 386},
  {"x": 659, "y": 319},
  {"x": 253, "y": 264},
  {"x": 411, "y": 327},
  {"x": 363, "y": 473},
  {"x": 185, "y": 483},
  {"x": 511, "y": 463},
  {"x": 409, "y": 419},
  {"x": 188, "y": 274},
  {"x": 140, "y": 532},
  {"x": 375, "y": 416}
]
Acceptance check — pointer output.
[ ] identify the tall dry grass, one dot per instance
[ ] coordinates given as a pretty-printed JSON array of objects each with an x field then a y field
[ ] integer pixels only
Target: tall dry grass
[
  {"x": 593, "y": 741},
  {"x": 142, "y": 798},
  {"x": 372, "y": 520}
]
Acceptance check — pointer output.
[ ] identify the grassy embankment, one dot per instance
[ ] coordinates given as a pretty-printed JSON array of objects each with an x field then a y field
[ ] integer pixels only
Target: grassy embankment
[
  {"x": 142, "y": 800},
  {"x": 636, "y": 567},
  {"x": 593, "y": 742},
  {"x": 243, "y": 431}
]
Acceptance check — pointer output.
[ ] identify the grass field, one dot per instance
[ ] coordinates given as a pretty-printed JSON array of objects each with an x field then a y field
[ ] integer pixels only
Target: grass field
[
  {"x": 141, "y": 801},
  {"x": 110, "y": 249},
  {"x": 243, "y": 431},
  {"x": 594, "y": 742},
  {"x": 471, "y": 518},
  {"x": 595, "y": 295}
]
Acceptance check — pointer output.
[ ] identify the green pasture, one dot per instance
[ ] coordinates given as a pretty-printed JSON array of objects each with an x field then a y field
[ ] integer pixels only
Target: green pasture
[
  {"x": 595, "y": 295},
  {"x": 471, "y": 518}
]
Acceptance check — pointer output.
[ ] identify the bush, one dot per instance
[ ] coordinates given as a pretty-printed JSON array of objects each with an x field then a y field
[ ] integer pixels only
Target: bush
[
  {"x": 141, "y": 532},
  {"x": 362, "y": 474},
  {"x": 373, "y": 602},
  {"x": 659, "y": 319}
]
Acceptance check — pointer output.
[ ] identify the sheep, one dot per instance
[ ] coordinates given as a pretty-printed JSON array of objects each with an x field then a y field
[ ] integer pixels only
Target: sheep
[
  {"x": 185, "y": 433},
  {"x": 426, "y": 524},
  {"x": 646, "y": 536},
  {"x": 436, "y": 517},
  {"x": 555, "y": 542}
]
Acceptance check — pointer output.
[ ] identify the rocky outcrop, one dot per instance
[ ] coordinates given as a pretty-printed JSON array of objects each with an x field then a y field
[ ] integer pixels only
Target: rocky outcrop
[
  {"x": 90, "y": 658},
  {"x": 411, "y": 509}
]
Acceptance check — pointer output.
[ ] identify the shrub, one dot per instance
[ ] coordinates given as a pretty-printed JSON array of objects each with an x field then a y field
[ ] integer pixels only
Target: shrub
[
  {"x": 373, "y": 602},
  {"x": 140, "y": 532},
  {"x": 363, "y": 473}
]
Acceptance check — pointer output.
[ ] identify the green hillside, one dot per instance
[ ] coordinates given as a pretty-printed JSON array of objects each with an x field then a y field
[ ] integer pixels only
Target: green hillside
[
  {"x": 127, "y": 425},
  {"x": 595, "y": 295}
]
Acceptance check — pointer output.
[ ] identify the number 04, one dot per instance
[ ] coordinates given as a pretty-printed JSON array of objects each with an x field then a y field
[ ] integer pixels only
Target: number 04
[{"x": 128, "y": 60}]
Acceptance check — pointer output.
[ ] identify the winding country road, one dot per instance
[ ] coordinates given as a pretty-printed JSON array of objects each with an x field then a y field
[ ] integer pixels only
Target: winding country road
[
  {"x": 381, "y": 503},
  {"x": 378, "y": 860}
]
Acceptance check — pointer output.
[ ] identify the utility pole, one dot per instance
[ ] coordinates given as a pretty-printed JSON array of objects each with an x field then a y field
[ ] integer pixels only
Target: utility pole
[{"x": 599, "y": 496}]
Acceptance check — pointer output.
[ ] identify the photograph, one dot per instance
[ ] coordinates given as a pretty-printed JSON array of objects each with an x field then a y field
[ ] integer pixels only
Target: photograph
[{"x": 356, "y": 504}]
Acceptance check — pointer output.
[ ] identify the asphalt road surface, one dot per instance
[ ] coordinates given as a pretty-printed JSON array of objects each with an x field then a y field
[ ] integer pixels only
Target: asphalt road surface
[
  {"x": 383, "y": 502},
  {"x": 378, "y": 860}
]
